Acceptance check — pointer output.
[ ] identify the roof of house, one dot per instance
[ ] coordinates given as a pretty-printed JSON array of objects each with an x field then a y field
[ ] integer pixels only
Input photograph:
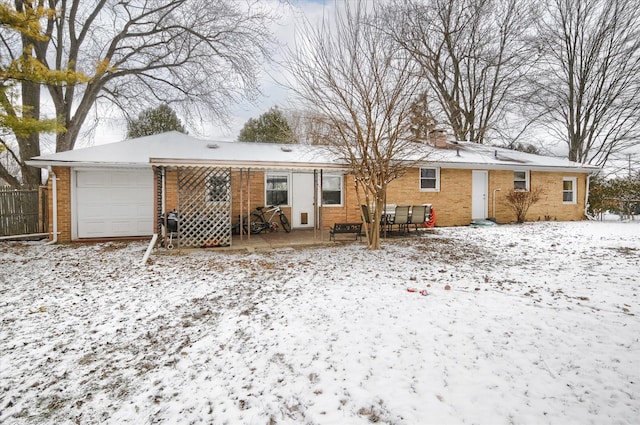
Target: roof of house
[
  {"x": 475, "y": 155},
  {"x": 175, "y": 149}
]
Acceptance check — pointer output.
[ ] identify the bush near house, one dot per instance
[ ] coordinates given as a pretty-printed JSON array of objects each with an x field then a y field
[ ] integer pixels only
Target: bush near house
[
  {"x": 519, "y": 201},
  {"x": 619, "y": 196}
]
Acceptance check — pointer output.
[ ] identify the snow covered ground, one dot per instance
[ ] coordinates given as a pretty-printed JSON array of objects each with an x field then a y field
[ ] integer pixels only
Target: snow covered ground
[{"x": 540, "y": 324}]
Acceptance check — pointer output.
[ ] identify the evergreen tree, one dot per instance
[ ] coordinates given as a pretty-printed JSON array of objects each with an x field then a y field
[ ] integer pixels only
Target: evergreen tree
[
  {"x": 154, "y": 121},
  {"x": 270, "y": 127}
]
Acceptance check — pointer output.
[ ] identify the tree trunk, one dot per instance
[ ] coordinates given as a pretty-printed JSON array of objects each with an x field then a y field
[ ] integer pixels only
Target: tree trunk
[
  {"x": 30, "y": 145},
  {"x": 374, "y": 237}
]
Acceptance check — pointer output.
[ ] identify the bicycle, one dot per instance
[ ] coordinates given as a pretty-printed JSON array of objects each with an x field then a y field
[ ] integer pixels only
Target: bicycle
[{"x": 258, "y": 222}]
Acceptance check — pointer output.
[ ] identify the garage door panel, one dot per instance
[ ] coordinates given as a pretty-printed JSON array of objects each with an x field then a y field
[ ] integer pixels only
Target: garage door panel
[
  {"x": 144, "y": 225},
  {"x": 114, "y": 203},
  {"x": 91, "y": 228},
  {"x": 90, "y": 178}
]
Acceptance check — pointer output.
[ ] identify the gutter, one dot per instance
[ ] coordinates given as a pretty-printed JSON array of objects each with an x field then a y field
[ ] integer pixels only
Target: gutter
[
  {"x": 85, "y": 164},
  {"x": 237, "y": 165},
  {"x": 54, "y": 189},
  {"x": 509, "y": 167}
]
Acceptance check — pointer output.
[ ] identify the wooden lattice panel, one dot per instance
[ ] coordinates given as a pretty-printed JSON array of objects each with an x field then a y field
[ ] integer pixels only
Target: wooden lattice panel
[{"x": 204, "y": 206}]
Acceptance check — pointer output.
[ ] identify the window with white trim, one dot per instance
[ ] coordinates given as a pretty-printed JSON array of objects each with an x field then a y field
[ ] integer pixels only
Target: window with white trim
[
  {"x": 332, "y": 189},
  {"x": 569, "y": 186},
  {"x": 277, "y": 189},
  {"x": 429, "y": 179},
  {"x": 521, "y": 180}
]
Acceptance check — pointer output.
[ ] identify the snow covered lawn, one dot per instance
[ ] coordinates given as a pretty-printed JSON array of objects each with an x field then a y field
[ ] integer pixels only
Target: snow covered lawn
[{"x": 541, "y": 324}]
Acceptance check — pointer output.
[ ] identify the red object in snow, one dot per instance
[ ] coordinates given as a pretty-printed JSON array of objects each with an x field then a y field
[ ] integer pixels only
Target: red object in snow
[
  {"x": 412, "y": 290},
  {"x": 432, "y": 219}
]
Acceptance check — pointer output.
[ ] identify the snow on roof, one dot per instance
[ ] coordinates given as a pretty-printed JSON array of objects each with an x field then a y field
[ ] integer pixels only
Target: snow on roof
[
  {"x": 475, "y": 155},
  {"x": 174, "y": 148}
]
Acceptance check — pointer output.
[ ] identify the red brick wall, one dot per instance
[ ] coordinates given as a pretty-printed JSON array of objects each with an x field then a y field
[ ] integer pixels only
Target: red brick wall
[{"x": 63, "y": 183}]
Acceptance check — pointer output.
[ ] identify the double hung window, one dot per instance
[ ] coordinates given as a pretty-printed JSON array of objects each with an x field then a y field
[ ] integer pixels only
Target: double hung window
[
  {"x": 521, "y": 180},
  {"x": 331, "y": 189},
  {"x": 277, "y": 189},
  {"x": 569, "y": 190},
  {"x": 429, "y": 179}
]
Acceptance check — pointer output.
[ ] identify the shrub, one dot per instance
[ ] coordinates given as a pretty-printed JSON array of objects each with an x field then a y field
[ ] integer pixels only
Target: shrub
[{"x": 519, "y": 201}]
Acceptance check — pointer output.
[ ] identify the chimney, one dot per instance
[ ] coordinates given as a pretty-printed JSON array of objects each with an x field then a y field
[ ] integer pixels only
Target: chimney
[{"x": 438, "y": 138}]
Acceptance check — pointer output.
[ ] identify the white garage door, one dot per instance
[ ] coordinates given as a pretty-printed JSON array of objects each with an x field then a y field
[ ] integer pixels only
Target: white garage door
[{"x": 114, "y": 203}]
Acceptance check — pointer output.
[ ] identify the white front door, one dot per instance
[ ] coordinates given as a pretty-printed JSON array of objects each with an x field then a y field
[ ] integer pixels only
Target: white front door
[
  {"x": 479, "y": 195},
  {"x": 302, "y": 210}
]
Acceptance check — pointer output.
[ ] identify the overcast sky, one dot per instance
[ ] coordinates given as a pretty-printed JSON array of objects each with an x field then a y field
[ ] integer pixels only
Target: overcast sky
[
  {"x": 273, "y": 93},
  {"x": 114, "y": 128}
]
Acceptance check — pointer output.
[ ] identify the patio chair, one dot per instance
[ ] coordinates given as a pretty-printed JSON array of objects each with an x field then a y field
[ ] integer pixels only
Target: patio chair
[
  {"x": 367, "y": 218},
  {"x": 365, "y": 214},
  {"x": 401, "y": 218},
  {"x": 418, "y": 215}
]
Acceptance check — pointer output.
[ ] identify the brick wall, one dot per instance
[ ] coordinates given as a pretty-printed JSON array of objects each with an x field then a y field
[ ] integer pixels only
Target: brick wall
[
  {"x": 452, "y": 203},
  {"x": 349, "y": 212},
  {"x": 551, "y": 206},
  {"x": 255, "y": 195},
  {"x": 63, "y": 186}
]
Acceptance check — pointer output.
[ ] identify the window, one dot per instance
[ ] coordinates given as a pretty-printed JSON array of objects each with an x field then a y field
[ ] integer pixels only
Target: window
[
  {"x": 430, "y": 179},
  {"x": 569, "y": 190},
  {"x": 521, "y": 180},
  {"x": 217, "y": 189},
  {"x": 331, "y": 190},
  {"x": 277, "y": 189}
]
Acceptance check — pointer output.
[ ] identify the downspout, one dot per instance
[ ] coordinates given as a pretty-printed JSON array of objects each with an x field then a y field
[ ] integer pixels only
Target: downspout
[
  {"x": 54, "y": 194},
  {"x": 154, "y": 238},
  {"x": 586, "y": 199}
]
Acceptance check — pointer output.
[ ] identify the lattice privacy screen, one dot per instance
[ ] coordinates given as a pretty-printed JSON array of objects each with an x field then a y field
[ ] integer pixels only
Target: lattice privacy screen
[{"x": 204, "y": 206}]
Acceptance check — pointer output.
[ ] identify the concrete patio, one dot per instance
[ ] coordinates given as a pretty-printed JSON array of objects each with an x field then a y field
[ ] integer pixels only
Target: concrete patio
[{"x": 296, "y": 238}]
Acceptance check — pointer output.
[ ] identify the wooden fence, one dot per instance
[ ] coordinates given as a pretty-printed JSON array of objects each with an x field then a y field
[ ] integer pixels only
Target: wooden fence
[{"x": 23, "y": 211}]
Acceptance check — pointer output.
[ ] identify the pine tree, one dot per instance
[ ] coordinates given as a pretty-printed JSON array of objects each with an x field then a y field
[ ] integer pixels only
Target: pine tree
[
  {"x": 270, "y": 127},
  {"x": 154, "y": 121}
]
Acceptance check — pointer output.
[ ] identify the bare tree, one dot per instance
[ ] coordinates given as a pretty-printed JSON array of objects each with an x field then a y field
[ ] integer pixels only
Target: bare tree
[
  {"x": 588, "y": 86},
  {"x": 137, "y": 53},
  {"x": 472, "y": 54},
  {"x": 308, "y": 127},
  {"x": 363, "y": 87}
]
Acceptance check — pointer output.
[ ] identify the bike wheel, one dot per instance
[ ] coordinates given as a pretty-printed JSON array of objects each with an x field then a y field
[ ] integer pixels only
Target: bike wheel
[
  {"x": 257, "y": 223},
  {"x": 285, "y": 223}
]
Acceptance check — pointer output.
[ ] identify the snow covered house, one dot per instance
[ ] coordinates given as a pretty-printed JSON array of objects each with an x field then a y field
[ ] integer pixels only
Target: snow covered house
[{"x": 121, "y": 190}]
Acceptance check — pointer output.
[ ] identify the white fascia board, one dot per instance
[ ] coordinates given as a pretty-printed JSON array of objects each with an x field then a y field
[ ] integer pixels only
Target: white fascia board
[
  {"x": 245, "y": 164},
  {"x": 76, "y": 164}
]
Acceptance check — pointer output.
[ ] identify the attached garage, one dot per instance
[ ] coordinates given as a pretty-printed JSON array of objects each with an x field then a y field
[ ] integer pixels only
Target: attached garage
[{"x": 113, "y": 202}]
